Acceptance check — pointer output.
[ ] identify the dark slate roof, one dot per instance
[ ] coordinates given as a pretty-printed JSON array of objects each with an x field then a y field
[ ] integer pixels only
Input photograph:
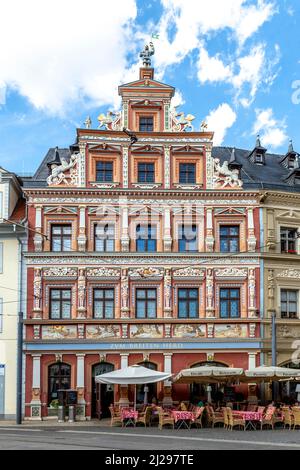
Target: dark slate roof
[
  {"x": 39, "y": 178},
  {"x": 272, "y": 175}
]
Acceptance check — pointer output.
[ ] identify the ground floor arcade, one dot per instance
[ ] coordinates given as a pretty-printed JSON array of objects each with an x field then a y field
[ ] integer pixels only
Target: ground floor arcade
[{"x": 47, "y": 372}]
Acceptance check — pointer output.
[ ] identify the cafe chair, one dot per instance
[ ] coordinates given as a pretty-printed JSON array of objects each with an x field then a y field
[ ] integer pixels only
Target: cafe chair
[
  {"x": 235, "y": 420},
  {"x": 287, "y": 417},
  {"x": 145, "y": 416},
  {"x": 296, "y": 416},
  {"x": 164, "y": 418},
  {"x": 115, "y": 417}
]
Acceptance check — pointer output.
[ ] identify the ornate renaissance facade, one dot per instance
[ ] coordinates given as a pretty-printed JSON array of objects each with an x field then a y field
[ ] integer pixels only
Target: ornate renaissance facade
[{"x": 144, "y": 247}]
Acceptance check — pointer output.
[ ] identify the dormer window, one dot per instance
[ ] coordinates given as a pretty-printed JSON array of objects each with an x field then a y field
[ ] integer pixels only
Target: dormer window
[
  {"x": 146, "y": 124},
  {"x": 259, "y": 159},
  {"x": 291, "y": 163}
]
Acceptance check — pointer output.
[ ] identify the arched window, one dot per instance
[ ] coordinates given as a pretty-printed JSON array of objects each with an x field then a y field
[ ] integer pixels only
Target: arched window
[
  {"x": 198, "y": 391},
  {"x": 59, "y": 378}
]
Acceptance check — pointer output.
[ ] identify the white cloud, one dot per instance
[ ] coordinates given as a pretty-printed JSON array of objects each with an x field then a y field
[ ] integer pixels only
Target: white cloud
[
  {"x": 272, "y": 131},
  {"x": 212, "y": 69},
  {"x": 177, "y": 99},
  {"x": 246, "y": 74},
  {"x": 57, "y": 53},
  {"x": 185, "y": 25},
  {"x": 220, "y": 120}
]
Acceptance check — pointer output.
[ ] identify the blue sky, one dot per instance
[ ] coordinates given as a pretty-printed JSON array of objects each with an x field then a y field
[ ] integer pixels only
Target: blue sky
[{"x": 235, "y": 63}]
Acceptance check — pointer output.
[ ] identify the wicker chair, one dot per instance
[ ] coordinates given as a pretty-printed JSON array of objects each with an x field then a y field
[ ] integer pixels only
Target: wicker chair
[
  {"x": 226, "y": 418},
  {"x": 115, "y": 416},
  {"x": 198, "y": 416},
  {"x": 287, "y": 417},
  {"x": 145, "y": 416},
  {"x": 164, "y": 418},
  {"x": 235, "y": 420},
  {"x": 217, "y": 418},
  {"x": 296, "y": 417},
  {"x": 268, "y": 418}
]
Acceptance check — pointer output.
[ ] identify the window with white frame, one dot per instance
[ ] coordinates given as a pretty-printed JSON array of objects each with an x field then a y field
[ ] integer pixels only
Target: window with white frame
[{"x": 289, "y": 303}]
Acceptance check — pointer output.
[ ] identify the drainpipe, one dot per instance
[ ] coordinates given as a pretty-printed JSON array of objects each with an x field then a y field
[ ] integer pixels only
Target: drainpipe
[{"x": 20, "y": 340}]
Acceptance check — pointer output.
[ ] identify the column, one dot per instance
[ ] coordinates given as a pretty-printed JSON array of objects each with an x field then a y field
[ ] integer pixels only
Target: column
[
  {"x": 167, "y": 230},
  {"x": 81, "y": 403},
  {"x": 271, "y": 237},
  {"x": 251, "y": 296},
  {"x": 37, "y": 292},
  {"x": 167, "y": 168},
  {"x": 125, "y": 310},
  {"x": 38, "y": 239},
  {"x": 125, "y": 166},
  {"x": 209, "y": 242},
  {"x": 82, "y": 226},
  {"x": 81, "y": 289},
  {"x": 167, "y": 400},
  {"x": 125, "y": 235},
  {"x": 210, "y": 310},
  {"x": 124, "y": 388},
  {"x": 167, "y": 293},
  {"x": 251, "y": 236},
  {"x": 35, "y": 404}
]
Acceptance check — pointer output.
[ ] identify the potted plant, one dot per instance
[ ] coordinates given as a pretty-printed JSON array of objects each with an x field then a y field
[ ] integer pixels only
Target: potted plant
[{"x": 53, "y": 408}]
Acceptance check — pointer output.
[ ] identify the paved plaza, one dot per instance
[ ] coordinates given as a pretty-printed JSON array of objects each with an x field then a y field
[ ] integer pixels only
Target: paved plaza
[{"x": 93, "y": 436}]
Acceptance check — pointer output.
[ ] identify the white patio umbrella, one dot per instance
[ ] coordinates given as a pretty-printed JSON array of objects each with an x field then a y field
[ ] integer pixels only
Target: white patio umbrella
[
  {"x": 271, "y": 373},
  {"x": 208, "y": 374},
  {"x": 132, "y": 375}
]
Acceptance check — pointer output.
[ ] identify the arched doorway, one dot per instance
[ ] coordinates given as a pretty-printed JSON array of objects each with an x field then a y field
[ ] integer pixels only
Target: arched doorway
[
  {"x": 59, "y": 378},
  {"x": 152, "y": 388},
  {"x": 198, "y": 391},
  {"x": 102, "y": 395},
  {"x": 287, "y": 390}
]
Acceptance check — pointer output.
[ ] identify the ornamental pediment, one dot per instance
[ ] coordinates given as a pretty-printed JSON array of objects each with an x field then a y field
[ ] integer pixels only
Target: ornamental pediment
[
  {"x": 105, "y": 148},
  {"x": 187, "y": 149},
  {"x": 289, "y": 215},
  {"x": 60, "y": 210},
  {"x": 230, "y": 211},
  {"x": 60, "y": 272},
  {"x": 147, "y": 149}
]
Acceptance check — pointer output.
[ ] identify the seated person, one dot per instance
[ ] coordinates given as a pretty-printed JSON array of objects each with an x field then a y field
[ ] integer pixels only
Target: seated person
[{"x": 182, "y": 406}]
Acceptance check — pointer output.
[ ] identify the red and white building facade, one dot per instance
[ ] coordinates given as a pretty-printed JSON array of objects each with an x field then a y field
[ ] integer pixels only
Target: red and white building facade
[{"x": 141, "y": 250}]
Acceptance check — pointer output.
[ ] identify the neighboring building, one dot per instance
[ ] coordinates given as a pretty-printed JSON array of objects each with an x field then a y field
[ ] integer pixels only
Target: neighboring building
[
  {"x": 141, "y": 250},
  {"x": 12, "y": 243}
]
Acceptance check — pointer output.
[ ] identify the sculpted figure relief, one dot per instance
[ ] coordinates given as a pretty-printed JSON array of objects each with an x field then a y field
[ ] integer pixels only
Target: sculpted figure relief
[
  {"x": 58, "y": 172},
  {"x": 223, "y": 176}
]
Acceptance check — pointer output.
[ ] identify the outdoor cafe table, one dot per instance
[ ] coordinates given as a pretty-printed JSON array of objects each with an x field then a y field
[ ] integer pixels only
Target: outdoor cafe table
[
  {"x": 183, "y": 418},
  {"x": 251, "y": 417},
  {"x": 129, "y": 417}
]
